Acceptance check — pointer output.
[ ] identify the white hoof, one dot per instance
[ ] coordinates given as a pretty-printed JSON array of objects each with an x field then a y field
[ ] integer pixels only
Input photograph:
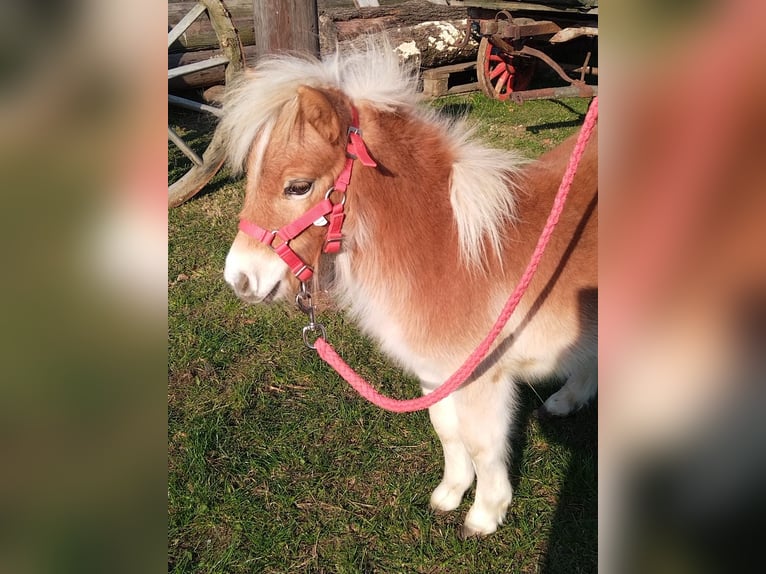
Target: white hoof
[
  {"x": 483, "y": 521},
  {"x": 561, "y": 403},
  {"x": 447, "y": 497},
  {"x": 580, "y": 388},
  {"x": 479, "y": 524}
]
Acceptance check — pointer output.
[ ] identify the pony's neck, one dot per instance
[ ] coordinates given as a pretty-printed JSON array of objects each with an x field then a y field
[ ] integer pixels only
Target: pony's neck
[
  {"x": 403, "y": 248},
  {"x": 402, "y": 207}
]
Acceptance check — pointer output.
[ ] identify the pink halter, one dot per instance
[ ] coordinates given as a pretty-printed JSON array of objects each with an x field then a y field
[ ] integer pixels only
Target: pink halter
[{"x": 324, "y": 211}]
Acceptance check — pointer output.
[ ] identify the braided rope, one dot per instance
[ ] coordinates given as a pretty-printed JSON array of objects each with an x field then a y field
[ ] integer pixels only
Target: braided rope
[{"x": 331, "y": 357}]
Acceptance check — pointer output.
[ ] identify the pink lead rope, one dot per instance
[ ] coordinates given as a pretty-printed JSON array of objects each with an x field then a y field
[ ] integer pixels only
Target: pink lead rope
[{"x": 364, "y": 388}]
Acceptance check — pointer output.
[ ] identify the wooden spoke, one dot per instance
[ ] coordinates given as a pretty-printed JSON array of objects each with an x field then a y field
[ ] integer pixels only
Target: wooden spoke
[
  {"x": 494, "y": 73},
  {"x": 181, "y": 144},
  {"x": 197, "y": 66},
  {"x": 194, "y": 105},
  {"x": 185, "y": 22}
]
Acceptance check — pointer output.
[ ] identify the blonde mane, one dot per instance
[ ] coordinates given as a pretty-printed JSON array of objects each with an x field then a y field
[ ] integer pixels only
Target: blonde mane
[{"x": 483, "y": 180}]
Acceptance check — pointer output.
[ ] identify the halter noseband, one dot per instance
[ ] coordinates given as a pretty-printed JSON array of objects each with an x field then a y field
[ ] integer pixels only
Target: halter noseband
[{"x": 317, "y": 215}]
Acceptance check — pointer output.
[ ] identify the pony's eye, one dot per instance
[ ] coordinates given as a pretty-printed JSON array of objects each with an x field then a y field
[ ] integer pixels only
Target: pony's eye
[{"x": 298, "y": 187}]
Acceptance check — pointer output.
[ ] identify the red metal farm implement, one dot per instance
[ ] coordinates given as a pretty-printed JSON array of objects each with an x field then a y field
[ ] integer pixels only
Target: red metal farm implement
[{"x": 517, "y": 39}]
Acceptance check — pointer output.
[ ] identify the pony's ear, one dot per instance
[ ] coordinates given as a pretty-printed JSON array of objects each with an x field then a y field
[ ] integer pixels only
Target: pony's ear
[{"x": 318, "y": 110}]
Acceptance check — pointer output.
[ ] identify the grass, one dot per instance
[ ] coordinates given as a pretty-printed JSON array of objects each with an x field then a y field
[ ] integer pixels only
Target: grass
[
  {"x": 276, "y": 465},
  {"x": 196, "y": 130}
]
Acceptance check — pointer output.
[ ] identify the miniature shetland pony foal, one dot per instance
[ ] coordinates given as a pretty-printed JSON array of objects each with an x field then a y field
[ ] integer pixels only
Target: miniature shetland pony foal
[{"x": 435, "y": 237}]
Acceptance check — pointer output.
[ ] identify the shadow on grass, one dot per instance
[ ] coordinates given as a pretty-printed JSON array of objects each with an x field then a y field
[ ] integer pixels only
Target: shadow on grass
[
  {"x": 573, "y": 542},
  {"x": 575, "y": 122},
  {"x": 572, "y": 545},
  {"x": 219, "y": 181}
]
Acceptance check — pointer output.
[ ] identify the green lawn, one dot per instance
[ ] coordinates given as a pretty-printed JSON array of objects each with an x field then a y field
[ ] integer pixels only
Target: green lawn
[{"x": 276, "y": 465}]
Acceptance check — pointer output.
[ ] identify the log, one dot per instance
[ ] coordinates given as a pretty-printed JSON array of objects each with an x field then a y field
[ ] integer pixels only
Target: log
[
  {"x": 408, "y": 13},
  {"x": 200, "y": 35},
  {"x": 423, "y": 34}
]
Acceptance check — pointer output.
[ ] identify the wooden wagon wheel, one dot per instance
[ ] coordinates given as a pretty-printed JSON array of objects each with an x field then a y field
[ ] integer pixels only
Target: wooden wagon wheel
[
  {"x": 205, "y": 165},
  {"x": 500, "y": 73}
]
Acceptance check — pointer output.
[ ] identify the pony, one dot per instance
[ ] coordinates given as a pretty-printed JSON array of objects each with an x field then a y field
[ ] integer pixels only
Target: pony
[{"x": 436, "y": 230}]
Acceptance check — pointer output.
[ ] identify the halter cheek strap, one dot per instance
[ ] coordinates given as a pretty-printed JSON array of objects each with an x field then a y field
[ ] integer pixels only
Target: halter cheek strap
[{"x": 323, "y": 213}]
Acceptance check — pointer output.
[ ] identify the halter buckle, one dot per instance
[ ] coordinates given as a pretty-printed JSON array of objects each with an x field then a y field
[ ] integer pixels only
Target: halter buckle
[
  {"x": 353, "y": 142},
  {"x": 300, "y": 273}
]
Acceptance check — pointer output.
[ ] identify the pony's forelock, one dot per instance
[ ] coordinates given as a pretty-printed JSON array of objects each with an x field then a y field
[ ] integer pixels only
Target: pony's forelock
[{"x": 258, "y": 95}]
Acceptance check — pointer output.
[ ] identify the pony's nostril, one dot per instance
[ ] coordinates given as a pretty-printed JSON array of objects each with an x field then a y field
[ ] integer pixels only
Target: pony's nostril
[{"x": 242, "y": 283}]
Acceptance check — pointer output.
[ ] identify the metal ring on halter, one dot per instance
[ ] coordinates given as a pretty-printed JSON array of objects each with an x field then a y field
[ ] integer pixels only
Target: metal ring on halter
[
  {"x": 329, "y": 193},
  {"x": 313, "y": 327}
]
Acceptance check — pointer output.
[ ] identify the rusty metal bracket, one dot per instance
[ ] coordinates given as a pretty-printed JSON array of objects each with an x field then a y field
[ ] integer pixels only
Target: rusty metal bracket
[
  {"x": 501, "y": 44},
  {"x": 514, "y": 30},
  {"x": 506, "y": 14}
]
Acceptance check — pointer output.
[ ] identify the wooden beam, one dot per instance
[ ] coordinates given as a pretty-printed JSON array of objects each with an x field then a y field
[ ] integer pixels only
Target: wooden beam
[
  {"x": 286, "y": 25},
  {"x": 571, "y": 33}
]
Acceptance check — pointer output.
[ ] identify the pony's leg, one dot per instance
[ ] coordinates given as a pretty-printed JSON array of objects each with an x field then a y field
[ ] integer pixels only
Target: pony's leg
[
  {"x": 458, "y": 469},
  {"x": 580, "y": 387},
  {"x": 485, "y": 410}
]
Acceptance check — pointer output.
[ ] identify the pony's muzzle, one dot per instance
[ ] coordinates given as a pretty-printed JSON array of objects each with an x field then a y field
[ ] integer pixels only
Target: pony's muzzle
[
  {"x": 246, "y": 288},
  {"x": 254, "y": 276}
]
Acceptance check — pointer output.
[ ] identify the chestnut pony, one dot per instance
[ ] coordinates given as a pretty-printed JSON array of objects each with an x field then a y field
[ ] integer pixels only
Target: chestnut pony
[{"x": 435, "y": 237}]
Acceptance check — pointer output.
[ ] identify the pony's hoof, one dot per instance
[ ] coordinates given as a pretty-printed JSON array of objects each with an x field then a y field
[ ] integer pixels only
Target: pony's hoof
[
  {"x": 446, "y": 498},
  {"x": 467, "y": 532},
  {"x": 484, "y": 520},
  {"x": 543, "y": 414}
]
